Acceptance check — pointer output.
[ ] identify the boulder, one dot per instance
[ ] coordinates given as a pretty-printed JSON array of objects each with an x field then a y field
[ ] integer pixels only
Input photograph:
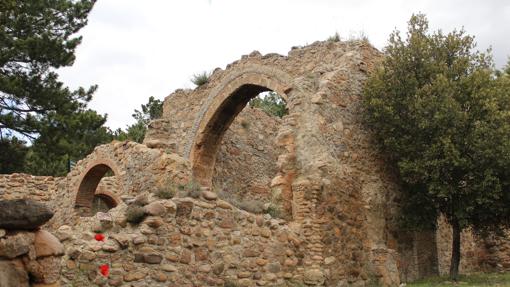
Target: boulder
[
  {"x": 23, "y": 214},
  {"x": 46, "y": 244},
  {"x": 209, "y": 195}
]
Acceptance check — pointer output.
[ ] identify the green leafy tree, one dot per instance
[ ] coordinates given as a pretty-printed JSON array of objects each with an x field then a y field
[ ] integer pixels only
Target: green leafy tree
[
  {"x": 271, "y": 103},
  {"x": 443, "y": 118},
  {"x": 136, "y": 132},
  {"x": 36, "y": 38}
]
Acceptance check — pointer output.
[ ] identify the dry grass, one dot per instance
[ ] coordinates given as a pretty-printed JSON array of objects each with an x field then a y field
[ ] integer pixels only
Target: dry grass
[{"x": 135, "y": 214}]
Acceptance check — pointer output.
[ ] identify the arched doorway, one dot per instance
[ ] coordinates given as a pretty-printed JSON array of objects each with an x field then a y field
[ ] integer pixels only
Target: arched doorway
[
  {"x": 96, "y": 190},
  {"x": 223, "y": 107}
]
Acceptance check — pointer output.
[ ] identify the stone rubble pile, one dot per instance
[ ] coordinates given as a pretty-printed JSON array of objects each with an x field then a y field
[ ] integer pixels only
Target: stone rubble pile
[{"x": 29, "y": 256}]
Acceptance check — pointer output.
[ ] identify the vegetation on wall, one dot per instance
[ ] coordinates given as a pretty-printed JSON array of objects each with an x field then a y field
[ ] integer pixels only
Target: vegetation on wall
[
  {"x": 136, "y": 132},
  {"x": 442, "y": 115},
  {"x": 200, "y": 78},
  {"x": 271, "y": 103}
]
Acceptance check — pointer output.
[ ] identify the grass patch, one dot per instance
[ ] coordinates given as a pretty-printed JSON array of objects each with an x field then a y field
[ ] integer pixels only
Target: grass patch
[
  {"x": 200, "y": 78},
  {"x": 274, "y": 211},
  {"x": 135, "y": 214},
  {"x": 478, "y": 279},
  {"x": 166, "y": 192},
  {"x": 360, "y": 36},
  {"x": 193, "y": 189}
]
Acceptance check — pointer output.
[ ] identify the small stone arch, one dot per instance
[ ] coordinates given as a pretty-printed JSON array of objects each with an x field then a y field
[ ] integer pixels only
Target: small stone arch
[
  {"x": 222, "y": 105},
  {"x": 89, "y": 180},
  {"x": 111, "y": 199}
]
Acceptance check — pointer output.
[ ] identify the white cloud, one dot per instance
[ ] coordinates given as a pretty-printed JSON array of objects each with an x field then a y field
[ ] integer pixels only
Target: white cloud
[{"x": 135, "y": 49}]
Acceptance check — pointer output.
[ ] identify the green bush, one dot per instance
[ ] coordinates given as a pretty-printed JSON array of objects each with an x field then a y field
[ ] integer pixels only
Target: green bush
[
  {"x": 166, "y": 192},
  {"x": 135, "y": 214},
  {"x": 274, "y": 211},
  {"x": 200, "y": 78},
  {"x": 271, "y": 103}
]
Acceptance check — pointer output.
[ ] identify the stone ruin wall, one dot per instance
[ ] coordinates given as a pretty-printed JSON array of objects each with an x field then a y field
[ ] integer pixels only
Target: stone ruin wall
[
  {"x": 327, "y": 117},
  {"x": 247, "y": 159},
  {"x": 368, "y": 186},
  {"x": 136, "y": 168},
  {"x": 19, "y": 185},
  {"x": 44, "y": 188},
  {"x": 319, "y": 159},
  {"x": 187, "y": 243}
]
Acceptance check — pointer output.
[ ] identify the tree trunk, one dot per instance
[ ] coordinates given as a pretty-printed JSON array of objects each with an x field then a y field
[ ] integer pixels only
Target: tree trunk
[{"x": 454, "y": 265}]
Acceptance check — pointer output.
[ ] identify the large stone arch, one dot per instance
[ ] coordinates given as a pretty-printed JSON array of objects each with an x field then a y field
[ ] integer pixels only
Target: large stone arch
[{"x": 222, "y": 105}]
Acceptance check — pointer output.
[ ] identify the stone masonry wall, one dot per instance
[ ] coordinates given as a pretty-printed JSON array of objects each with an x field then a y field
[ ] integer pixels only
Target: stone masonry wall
[
  {"x": 493, "y": 253},
  {"x": 247, "y": 158},
  {"x": 186, "y": 243},
  {"x": 318, "y": 163},
  {"x": 477, "y": 253},
  {"x": 43, "y": 188},
  {"x": 328, "y": 176},
  {"x": 136, "y": 167},
  {"x": 19, "y": 185}
]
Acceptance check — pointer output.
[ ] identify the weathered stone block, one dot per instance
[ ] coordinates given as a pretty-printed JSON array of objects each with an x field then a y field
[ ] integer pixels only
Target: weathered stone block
[{"x": 23, "y": 214}]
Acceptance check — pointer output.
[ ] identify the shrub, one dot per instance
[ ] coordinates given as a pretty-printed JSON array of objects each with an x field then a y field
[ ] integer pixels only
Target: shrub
[
  {"x": 193, "y": 189},
  {"x": 166, "y": 192},
  {"x": 135, "y": 214},
  {"x": 200, "y": 78},
  {"x": 274, "y": 211},
  {"x": 334, "y": 38},
  {"x": 271, "y": 103}
]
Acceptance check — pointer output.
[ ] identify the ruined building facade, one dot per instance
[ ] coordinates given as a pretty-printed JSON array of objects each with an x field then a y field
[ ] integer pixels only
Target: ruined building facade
[{"x": 334, "y": 201}]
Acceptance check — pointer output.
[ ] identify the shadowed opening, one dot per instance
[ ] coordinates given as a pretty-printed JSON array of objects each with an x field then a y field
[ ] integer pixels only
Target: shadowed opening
[
  {"x": 102, "y": 203},
  {"x": 206, "y": 149},
  {"x": 87, "y": 201}
]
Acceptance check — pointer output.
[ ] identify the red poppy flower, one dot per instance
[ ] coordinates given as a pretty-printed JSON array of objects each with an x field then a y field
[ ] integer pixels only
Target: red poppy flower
[
  {"x": 104, "y": 269},
  {"x": 99, "y": 237}
]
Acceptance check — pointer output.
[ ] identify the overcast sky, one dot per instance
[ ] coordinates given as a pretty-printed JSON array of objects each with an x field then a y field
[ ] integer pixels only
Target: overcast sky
[{"x": 135, "y": 49}]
